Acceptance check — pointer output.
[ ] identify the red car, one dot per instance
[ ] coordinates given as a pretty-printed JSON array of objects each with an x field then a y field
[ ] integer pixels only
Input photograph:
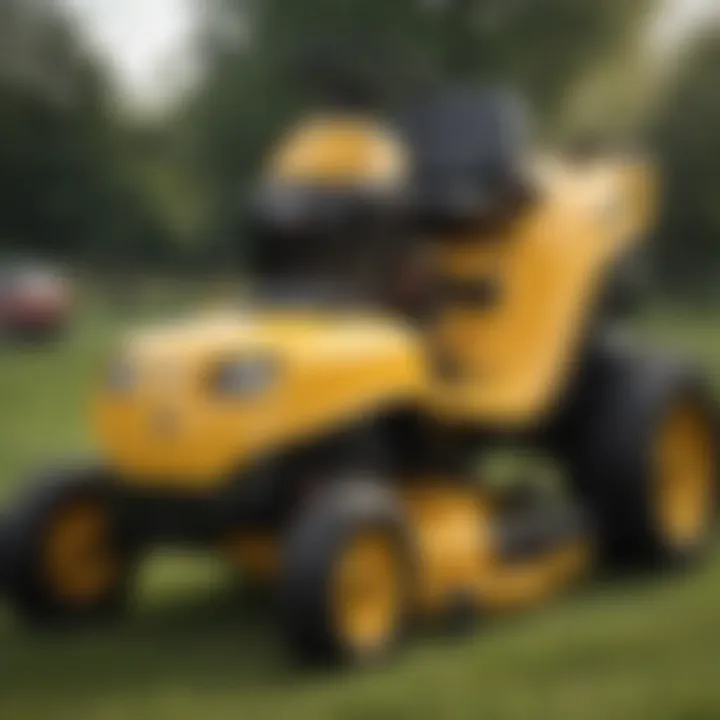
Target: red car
[{"x": 35, "y": 301}]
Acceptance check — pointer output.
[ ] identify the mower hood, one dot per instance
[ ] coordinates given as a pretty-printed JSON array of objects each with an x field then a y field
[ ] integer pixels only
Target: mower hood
[{"x": 195, "y": 401}]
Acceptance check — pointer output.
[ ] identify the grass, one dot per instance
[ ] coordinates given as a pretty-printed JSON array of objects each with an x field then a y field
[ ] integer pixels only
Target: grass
[{"x": 628, "y": 650}]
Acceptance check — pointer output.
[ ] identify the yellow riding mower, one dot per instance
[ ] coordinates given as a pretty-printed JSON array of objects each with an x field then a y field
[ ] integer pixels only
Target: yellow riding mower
[{"x": 427, "y": 291}]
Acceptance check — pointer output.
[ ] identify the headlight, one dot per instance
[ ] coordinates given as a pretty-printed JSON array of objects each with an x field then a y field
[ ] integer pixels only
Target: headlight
[
  {"x": 244, "y": 377},
  {"x": 122, "y": 377}
]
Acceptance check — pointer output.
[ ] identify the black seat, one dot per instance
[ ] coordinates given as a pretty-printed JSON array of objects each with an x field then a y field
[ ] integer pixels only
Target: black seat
[{"x": 468, "y": 146}]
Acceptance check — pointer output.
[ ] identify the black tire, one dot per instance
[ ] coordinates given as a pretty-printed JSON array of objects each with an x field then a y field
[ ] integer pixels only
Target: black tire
[
  {"x": 325, "y": 527},
  {"x": 25, "y": 531},
  {"x": 621, "y": 404}
]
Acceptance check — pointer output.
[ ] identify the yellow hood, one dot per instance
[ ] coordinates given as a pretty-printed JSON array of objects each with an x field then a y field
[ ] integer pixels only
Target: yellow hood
[{"x": 331, "y": 368}]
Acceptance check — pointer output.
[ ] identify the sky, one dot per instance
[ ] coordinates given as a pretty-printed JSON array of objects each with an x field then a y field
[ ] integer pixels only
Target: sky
[
  {"x": 146, "y": 40},
  {"x": 678, "y": 15}
]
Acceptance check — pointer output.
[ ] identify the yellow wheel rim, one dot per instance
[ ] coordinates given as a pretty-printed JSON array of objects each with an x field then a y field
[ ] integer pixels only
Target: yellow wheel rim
[
  {"x": 79, "y": 567},
  {"x": 367, "y": 592},
  {"x": 685, "y": 471}
]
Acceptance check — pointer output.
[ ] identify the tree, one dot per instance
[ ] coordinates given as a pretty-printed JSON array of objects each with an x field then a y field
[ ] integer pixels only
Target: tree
[
  {"x": 64, "y": 186},
  {"x": 685, "y": 133}
]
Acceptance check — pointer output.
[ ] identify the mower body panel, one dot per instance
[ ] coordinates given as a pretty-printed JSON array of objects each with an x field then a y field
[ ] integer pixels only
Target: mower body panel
[
  {"x": 339, "y": 151},
  {"x": 176, "y": 428},
  {"x": 522, "y": 299}
]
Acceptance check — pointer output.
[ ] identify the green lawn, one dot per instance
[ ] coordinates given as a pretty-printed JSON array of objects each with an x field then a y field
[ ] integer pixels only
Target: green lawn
[{"x": 634, "y": 650}]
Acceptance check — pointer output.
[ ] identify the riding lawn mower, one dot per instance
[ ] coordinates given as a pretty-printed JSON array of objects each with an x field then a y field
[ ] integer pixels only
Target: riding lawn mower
[{"x": 427, "y": 291}]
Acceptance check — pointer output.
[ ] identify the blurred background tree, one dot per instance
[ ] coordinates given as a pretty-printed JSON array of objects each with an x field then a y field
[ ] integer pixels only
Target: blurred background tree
[
  {"x": 683, "y": 128},
  {"x": 64, "y": 188}
]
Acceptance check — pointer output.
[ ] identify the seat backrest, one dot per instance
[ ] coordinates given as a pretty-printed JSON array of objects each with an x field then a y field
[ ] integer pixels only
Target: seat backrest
[{"x": 468, "y": 147}]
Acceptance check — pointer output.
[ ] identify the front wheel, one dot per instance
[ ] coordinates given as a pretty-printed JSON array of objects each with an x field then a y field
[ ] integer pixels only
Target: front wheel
[
  {"x": 347, "y": 579},
  {"x": 63, "y": 555}
]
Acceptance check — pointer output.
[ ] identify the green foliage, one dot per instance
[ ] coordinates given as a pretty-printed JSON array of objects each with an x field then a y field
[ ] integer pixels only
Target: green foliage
[
  {"x": 685, "y": 131},
  {"x": 64, "y": 190}
]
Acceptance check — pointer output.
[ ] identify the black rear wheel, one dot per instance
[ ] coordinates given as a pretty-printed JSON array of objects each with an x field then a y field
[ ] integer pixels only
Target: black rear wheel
[{"x": 642, "y": 449}]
